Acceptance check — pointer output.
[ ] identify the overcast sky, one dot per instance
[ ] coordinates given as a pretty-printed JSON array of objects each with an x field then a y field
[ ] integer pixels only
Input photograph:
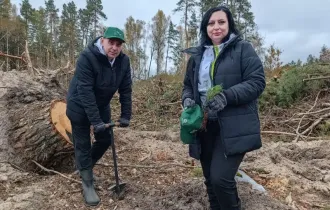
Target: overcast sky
[{"x": 297, "y": 27}]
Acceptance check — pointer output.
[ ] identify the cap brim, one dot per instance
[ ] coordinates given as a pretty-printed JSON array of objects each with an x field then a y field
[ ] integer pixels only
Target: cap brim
[{"x": 115, "y": 38}]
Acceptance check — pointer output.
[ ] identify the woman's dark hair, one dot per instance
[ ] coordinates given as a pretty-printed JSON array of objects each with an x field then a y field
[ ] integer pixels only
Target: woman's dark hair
[{"x": 204, "y": 38}]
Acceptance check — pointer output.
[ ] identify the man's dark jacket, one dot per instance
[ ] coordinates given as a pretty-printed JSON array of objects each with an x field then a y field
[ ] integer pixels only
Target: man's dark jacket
[
  {"x": 95, "y": 82},
  {"x": 240, "y": 72}
]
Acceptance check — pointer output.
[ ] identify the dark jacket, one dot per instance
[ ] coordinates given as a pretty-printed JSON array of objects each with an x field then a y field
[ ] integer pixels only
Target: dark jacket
[
  {"x": 240, "y": 72},
  {"x": 95, "y": 82}
]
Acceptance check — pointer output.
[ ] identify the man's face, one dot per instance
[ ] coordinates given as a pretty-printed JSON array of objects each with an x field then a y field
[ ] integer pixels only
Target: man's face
[{"x": 112, "y": 47}]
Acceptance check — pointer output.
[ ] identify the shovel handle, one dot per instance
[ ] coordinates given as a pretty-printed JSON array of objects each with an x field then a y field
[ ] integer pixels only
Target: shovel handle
[{"x": 113, "y": 124}]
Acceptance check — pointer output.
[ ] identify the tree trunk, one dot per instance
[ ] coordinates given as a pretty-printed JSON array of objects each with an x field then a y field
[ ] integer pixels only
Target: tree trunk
[{"x": 26, "y": 123}]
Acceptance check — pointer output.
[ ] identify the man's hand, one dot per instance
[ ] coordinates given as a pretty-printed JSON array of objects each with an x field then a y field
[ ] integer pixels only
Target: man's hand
[
  {"x": 123, "y": 122},
  {"x": 188, "y": 102},
  {"x": 217, "y": 103},
  {"x": 100, "y": 127}
]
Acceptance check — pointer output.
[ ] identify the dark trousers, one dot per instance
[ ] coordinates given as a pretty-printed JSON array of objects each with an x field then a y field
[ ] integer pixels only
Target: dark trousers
[
  {"x": 87, "y": 154},
  {"x": 219, "y": 171}
]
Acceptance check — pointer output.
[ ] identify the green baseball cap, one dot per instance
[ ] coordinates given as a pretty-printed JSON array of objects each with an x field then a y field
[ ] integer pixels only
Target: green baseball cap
[
  {"x": 113, "y": 32},
  {"x": 191, "y": 121}
]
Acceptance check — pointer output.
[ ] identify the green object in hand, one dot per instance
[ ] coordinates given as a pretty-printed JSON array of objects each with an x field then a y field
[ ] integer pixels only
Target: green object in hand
[{"x": 213, "y": 91}]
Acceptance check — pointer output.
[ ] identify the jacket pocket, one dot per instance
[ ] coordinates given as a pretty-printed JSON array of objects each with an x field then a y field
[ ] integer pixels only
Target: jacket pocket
[{"x": 240, "y": 129}]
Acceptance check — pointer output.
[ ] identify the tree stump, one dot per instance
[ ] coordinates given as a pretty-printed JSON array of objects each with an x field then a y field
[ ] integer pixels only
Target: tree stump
[{"x": 29, "y": 131}]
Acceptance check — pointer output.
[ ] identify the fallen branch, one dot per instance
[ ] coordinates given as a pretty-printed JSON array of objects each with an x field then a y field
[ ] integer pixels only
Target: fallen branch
[
  {"x": 149, "y": 166},
  {"x": 55, "y": 172},
  {"x": 325, "y": 104},
  {"x": 315, "y": 112},
  {"x": 298, "y": 128},
  {"x": 12, "y": 56},
  {"x": 14, "y": 166},
  {"x": 316, "y": 122},
  {"x": 316, "y": 78},
  {"x": 288, "y": 134}
]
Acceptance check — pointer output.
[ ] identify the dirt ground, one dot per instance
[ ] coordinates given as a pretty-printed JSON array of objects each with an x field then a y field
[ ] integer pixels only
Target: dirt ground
[{"x": 158, "y": 172}]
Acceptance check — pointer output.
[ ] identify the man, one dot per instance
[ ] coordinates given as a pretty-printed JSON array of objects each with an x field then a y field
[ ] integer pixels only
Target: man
[{"x": 101, "y": 69}]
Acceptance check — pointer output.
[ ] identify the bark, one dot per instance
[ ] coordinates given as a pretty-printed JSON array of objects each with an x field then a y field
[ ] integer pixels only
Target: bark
[{"x": 28, "y": 131}]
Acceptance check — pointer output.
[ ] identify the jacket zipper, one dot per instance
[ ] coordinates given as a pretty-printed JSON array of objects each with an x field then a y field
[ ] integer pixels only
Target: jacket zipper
[{"x": 216, "y": 64}]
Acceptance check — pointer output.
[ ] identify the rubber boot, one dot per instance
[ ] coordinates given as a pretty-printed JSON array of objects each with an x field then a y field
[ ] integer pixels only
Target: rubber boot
[
  {"x": 89, "y": 193},
  {"x": 96, "y": 179}
]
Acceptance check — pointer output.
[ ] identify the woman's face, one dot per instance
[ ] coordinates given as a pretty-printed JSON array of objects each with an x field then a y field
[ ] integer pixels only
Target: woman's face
[{"x": 217, "y": 27}]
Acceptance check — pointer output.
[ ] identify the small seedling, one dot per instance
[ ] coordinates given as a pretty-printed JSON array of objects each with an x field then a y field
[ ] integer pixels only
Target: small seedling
[{"x": 213, "y": 91}]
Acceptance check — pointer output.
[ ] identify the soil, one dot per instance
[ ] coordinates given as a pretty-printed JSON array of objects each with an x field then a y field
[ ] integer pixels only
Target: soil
[
  {"x": 160, "y": 175},
  {"x": 295, "y": 175}
]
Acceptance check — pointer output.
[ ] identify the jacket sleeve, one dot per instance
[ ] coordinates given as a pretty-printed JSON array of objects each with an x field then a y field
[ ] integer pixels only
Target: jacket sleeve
[
  {"x": 85, "y": 86},
  {"x": 125, "y": 92},
  {"x": 253, "y": 83},
  {"x": 187, "y": 91}
]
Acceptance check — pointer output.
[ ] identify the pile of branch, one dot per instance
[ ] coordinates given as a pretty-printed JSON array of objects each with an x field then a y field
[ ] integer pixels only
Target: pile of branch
[
  {"x": 156, "y": 104},
  {"x": 301, "y": 122}
]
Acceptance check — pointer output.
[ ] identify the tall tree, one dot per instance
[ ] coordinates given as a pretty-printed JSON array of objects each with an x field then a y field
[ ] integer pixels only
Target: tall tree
[
  {"x": 40, "y": 36},
  {"x": 159, "y": 27},
  {"x": 5, "y": 9},
  {"x": 94, "y": 11},
  {"x": 134, "y": 33},
  {"x": 244, "y": 17},
  {"x": 272, "y": 58},
  {"x": 69, "y": 31},
  {"x": 52, "y": 25},
  {"x": 84, "y": 25},
  {"x": 26, "y": 12},
  {"x": 193, "y": 29},
  {"x": 204, "y": 5},
  {"x": 177, "y": 56},
  {"x": 172, "y": 39},
  {"x": 187, "y": 7},
  {"x": 258, "y": 43}
]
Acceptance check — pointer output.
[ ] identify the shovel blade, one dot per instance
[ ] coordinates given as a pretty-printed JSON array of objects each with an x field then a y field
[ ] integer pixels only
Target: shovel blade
[
  {"x": 114, "y": 187},
  {"x": 118, "y": 194}
]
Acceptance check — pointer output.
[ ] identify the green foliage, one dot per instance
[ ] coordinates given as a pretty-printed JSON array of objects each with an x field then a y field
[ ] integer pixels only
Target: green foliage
[
  {"x": 290, "y": 87},
  {"x": 213, "y": 91},
  {"x": 197, "y": 172},
  {"x": 323, "y": 129}
]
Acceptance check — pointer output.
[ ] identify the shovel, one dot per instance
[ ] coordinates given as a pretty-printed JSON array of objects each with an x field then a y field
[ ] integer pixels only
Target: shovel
[{"x": 118, "y": 188}]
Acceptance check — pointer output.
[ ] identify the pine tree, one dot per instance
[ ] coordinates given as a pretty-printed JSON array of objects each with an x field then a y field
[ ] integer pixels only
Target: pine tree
[
  {"x": 5, "y": 9},
  {"x": 172, "y": 35},
  {"x": 95, "y": 13},
  {"x": 52, "y": 25},
  {"x": 205, "y": 5},
  {"x": 193, "y": 29},
  {"x": 177, "y": 56},
  {"x": 159, "y": 27},
  {"x": 27, "y": 12}
]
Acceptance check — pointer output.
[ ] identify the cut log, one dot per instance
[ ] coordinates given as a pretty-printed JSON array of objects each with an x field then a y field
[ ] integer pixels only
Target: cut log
[
  {"x": 31, "y": 105},
  {"x": 60, "y": 121}
]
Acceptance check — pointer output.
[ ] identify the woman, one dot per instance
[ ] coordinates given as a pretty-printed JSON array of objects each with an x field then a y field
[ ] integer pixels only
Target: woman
[{"x": 233, "y": 126}]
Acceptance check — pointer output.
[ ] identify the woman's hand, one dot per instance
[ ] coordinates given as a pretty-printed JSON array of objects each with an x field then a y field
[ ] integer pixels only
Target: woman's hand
[
  {"x": 188, "y": 102},
  {"x": 217, "y": 103}
]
